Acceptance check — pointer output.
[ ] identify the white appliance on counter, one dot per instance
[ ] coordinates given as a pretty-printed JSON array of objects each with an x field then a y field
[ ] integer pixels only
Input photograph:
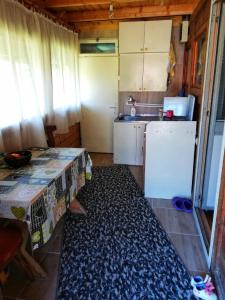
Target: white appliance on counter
[
  {"x": 181, "y": 106},
  {"x": 169, "y": 158}
]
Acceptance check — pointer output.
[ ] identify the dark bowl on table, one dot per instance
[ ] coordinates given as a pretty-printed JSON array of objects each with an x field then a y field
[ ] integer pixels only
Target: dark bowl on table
[{"x": 18, "y": 159}]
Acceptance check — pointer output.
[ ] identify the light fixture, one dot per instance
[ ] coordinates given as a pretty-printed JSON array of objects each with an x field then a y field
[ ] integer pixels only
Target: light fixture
[{"x": 111, "y": 12}]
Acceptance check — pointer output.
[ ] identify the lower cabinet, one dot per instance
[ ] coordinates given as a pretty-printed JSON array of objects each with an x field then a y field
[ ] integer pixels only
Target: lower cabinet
[{"x": 128, "y": 143}]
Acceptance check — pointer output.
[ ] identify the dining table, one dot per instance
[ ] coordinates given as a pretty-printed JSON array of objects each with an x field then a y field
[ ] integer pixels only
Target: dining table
[{"x": 40, "y": 192}]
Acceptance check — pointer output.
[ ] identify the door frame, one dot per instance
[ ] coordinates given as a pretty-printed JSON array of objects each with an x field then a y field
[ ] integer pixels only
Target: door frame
[
  {"x": 209, "y": 97},
  {"x": 115, "y": 105}
]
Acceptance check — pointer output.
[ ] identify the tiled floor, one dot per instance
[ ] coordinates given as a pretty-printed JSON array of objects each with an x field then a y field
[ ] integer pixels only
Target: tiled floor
[
  {"x": 179, "y": 226},
  {"x": 101, "y": 159},
  {"x": 182, "y": 231}
]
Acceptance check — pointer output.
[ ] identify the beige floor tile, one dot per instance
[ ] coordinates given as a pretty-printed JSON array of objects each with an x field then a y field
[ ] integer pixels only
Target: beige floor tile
[
  {"x": 162, "y": 203},
  {"x": 101, "y": 159},
  {"x": 12, "y": 298},
  {"x": 16, "y": 282},
  {"x": 138, "y": 174},
  {"x": 44, "y": 289},
  {"x": 196, "y": 272},
  {"x": 190, "y": 250},
  {"x": 175, "y": 221},
  {"x": 150, "y": 201},
  {"x": 53, "y": 245},
  {"x": 40, "y": 254}
]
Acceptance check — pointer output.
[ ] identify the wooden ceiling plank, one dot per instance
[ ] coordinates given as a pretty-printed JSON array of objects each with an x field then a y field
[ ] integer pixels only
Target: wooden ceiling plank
[
  {"x": 81, "y": 3},
  {"x": 130, "y": 13},
  {"x": 111, "y": 25}
]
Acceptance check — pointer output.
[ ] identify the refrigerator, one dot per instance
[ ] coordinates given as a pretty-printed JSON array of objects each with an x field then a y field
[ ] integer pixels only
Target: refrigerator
[{"x": 169, "y": 159}]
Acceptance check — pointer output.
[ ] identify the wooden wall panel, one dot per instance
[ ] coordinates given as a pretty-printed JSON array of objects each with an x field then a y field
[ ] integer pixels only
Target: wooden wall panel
[
  {"x": 199, "y": 23},
  {"x": 70, "y": 139},
  {"x": 97, "y": 30}
]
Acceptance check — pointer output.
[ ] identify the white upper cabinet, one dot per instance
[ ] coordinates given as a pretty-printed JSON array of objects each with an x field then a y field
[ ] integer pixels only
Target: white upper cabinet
[
  {"x": 155, "y": 72},
  {"x": 131, "y": 37},
  {"x": 131, "y": 72},
  {"x": 144, "y": 55},
  {"x": 157, "y": 36},
  {"x": 144, "y": 72},
  {"x": 149, "y": 36}
]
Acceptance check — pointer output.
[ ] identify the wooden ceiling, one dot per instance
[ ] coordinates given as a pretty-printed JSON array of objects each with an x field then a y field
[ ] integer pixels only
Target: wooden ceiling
[{"x": 75, "y": 11}]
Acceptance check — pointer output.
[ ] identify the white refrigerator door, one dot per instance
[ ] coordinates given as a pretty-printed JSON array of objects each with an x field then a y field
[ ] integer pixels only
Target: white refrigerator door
[{"x": 169, "y": 159}]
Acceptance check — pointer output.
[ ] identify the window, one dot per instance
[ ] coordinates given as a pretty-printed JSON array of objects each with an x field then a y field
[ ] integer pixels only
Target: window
[
  {"x": 199, "y": 58},
  {"x": 93, "y": 47},
  {"x": 20, "y": 79},
  {"x": 98, "y": 48}
]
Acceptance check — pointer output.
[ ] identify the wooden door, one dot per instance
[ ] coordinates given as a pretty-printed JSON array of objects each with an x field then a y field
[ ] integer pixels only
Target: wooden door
[
  {"x": 155, "y": 72},
  {"x": 131, "y": 72},
  {"x": 99, "y": 97},
  {"x": 131, "y": 37},
  {"x": 157, "y": 36}
]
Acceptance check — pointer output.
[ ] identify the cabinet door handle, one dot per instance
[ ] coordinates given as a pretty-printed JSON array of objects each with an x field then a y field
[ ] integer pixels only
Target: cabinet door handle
[
  {"x": 142, "y": 49},
  {"x": 139, "y": 89},
  {"x": 146, "y": 49}
]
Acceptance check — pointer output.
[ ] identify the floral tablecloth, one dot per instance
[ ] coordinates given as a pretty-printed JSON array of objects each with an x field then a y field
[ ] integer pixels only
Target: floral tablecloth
[{"x": 40, "y": 192}]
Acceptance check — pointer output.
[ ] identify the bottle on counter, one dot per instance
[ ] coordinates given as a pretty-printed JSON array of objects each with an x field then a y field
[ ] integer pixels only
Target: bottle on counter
[
  {"x": 161, "y": 114},
  {"x": 133, "y": 111}
]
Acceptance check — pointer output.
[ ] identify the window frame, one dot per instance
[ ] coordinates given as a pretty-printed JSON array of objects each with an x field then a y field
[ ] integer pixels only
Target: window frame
[
  {"x": 95, "y": 41},
  {"x": 195, "y": 58}
]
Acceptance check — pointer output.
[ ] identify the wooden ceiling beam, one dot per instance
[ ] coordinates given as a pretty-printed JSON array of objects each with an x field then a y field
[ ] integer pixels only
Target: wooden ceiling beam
[
  {"x": 195, "y": 4},
  {"x": 110, "y": 25},
  {"x": 130, "y": 13},
  {"x": 81, "y": 3}
]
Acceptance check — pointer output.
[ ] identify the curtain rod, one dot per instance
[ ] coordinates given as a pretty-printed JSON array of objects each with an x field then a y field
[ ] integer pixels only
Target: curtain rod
[{"x": 33, "y": 8}]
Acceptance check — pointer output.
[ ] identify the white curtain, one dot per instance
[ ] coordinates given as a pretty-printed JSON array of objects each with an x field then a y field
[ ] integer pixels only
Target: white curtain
[
  {"x": 38, "y": 77},
  {"x": 61, "y": 52}
]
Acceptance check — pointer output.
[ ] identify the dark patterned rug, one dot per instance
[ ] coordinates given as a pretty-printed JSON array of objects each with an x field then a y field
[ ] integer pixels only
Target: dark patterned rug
[{"x": 119, "y": 251}]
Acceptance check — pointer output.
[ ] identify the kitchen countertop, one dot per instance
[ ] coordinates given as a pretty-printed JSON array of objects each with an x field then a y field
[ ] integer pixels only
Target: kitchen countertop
[{"x": 145, "y": 119}]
